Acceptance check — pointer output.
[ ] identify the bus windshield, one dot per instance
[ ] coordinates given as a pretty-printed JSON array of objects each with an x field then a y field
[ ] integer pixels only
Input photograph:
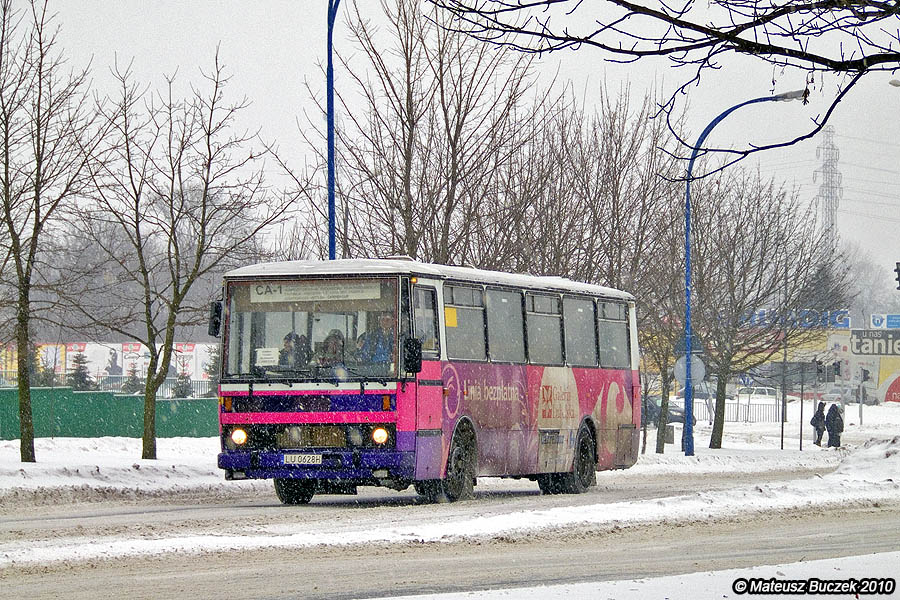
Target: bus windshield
[{"x": 312, "y": 329}]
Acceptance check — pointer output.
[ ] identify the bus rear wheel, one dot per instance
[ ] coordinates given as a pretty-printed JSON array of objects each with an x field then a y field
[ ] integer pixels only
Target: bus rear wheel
[
  {"x": 295, "y": 491},
  {"x": 584, "y": 473},
  {"x": 550, "y": 483}
]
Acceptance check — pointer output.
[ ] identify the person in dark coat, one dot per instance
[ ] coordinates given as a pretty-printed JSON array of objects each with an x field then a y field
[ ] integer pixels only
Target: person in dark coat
[
  {"x": 834, "y": 423},
  {"x": 818, "y": 423},
  {"x": 295, "y": 352}
]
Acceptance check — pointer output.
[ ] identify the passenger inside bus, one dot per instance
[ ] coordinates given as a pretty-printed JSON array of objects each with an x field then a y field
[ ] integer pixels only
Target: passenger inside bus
[
  {"x": 332, "y": 352},
  {"x": 295, "y": 352}
]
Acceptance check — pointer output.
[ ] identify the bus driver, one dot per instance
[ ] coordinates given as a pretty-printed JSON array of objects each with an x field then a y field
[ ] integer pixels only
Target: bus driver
[{"x": 378, "y": 346}]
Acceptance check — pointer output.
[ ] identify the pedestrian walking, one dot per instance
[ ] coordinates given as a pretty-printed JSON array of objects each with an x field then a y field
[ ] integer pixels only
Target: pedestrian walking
[
  {"x": 834, "y": 423},
  {"x": 818, "y": 423}
]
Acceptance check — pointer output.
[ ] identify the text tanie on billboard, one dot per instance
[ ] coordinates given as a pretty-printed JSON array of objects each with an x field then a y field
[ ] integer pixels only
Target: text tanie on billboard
[{"x": 866, "y": 342}]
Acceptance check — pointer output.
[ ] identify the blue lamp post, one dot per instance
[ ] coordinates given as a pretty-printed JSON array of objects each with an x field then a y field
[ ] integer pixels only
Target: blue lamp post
[
  {"x": 329, "y": 84},
  {"x": 688, "y": 334}
]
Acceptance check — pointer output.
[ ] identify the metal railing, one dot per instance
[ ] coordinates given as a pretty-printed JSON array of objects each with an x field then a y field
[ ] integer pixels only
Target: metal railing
[{"x": 741, "y": 412}]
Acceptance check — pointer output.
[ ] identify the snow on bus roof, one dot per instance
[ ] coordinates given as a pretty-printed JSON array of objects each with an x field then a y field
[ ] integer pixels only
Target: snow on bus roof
[{"x": 406, "y": 266}]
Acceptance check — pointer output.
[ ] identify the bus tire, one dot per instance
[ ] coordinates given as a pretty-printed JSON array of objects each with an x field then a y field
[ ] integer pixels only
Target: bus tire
[
  {"x": 430, "y": 489},
  {"x": 462, "y": 461},
  {"x": 584, "y": 465},
  {"x": 295, "y": 491},
  {"x": 549, "y": 483}
]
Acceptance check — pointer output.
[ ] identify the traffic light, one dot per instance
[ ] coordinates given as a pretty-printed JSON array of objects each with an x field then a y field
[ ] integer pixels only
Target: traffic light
[
  {"x": 837, "y": 368},
  {"x": 897, "y": 271},
  {"x": 820, "y": 372},
  {"x": 865, "y": 374}
]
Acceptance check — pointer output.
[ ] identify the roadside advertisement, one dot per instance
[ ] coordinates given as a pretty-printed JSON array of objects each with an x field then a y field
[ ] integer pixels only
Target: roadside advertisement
[
  {"x": 884, "y": 321},
  {"x": 866, "y": 342},
  {"x": 806, "y": 318},
  {"x": 112, "y": 359}
]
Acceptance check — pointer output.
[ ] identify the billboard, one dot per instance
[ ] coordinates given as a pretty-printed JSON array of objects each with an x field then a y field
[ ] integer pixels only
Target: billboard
[
  {"x": 806, "y": 318},
  {"x": 866, "y": 342},
  {"x": 884, "y": 321},
  {"x": 111, "y": 359}
]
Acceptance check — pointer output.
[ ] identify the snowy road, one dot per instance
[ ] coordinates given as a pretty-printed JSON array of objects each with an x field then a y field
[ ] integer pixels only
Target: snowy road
[
  {"x": 258, "y": 508},
  {"x": 572, "y": 554},
  {"x": 89, "y": 519},
  {"x": 148, "y": 547}
]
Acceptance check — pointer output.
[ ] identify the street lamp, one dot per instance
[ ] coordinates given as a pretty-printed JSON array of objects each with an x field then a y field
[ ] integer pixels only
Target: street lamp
[
  {"x": 688, "y": 334},
  {"x": 329, "y": 85}
]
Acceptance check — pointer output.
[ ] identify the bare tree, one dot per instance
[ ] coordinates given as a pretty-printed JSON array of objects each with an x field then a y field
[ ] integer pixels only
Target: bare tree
[
  {"x": 186, "y": 191},
  {"x": 600, "y": 204},
  {"x": 533, "y": 220},
  {"x": 442, "y": 112},
  {"x": 447, "y": 167},
  {"x": 660, "y": 327},
  {"x": 756, "y": 248},
  {"x": 873, "y": 284},
  {"x": 48, "y": 131},
  {"x": 831, "y": 36}
]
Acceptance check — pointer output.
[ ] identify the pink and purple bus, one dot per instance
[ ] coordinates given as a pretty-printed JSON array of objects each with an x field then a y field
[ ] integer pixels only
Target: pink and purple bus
[{"x": 395, "y": 373}]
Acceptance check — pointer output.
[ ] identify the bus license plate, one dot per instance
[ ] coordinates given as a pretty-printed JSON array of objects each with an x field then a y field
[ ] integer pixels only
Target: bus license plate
[{"x": 303, "y": 459}]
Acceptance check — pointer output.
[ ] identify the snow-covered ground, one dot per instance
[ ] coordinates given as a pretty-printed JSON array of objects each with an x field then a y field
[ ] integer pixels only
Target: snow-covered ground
[
  {"x": 865, "y": 470},
  {"x": 711, "y": 584}
]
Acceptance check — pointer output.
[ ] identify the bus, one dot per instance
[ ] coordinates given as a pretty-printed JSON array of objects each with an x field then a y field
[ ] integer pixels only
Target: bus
[{"x": 393, "y": 372}]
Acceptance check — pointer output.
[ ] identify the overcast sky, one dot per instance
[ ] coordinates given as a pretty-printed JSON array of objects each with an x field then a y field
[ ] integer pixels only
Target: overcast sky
[{"x": 272, "y": 48}]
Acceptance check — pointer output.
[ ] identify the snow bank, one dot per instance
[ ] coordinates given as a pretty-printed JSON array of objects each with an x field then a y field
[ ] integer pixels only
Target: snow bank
[{"x": 101, "y": 468}]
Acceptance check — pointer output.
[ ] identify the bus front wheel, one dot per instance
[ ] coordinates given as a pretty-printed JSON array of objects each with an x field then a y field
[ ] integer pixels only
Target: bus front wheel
[
  {"x": 295, "y": 491},
  {"x": 462, "y": 461}
]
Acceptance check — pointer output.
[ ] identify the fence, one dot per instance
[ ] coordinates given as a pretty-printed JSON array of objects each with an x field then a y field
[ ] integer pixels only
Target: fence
[
  {"x": 114, "y": 383},
  {"x": 61, "y": 412},
  {"x": 742, "y": 412}
]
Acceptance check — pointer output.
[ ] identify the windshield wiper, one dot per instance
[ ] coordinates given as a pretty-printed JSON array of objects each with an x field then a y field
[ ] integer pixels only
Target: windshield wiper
[
  {"x": 365, "y": 377},
  {"x": 274, "y": 373},
  {"x": 283, "y": 371}
]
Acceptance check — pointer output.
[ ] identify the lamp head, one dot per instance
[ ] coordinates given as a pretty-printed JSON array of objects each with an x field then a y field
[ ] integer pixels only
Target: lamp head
[{"x": 794, "y": 95}]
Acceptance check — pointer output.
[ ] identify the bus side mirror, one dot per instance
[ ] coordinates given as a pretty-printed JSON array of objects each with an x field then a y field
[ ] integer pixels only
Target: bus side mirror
[
  {"x": 412, "y": 355},
  {"x": 215, "y": 318}
]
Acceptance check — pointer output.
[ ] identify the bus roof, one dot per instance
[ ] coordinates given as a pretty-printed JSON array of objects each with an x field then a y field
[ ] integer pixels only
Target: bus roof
[{"x": 406, "y": 266}]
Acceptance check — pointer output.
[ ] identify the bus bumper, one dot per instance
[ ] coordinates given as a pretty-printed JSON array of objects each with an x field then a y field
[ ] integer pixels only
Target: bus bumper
[{"x": 358, "y": 465}]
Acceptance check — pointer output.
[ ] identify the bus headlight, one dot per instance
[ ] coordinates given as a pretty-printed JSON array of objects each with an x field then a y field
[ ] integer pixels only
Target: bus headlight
[
  {"x": 380, "y": 435},
  {"x": 239, "y": 437}
]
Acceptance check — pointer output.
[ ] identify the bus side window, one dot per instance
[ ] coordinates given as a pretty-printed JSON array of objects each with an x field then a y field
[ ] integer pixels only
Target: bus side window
[
  {"x": 612, "y": 325},
  {"x": 581, "y": 335},
  {"x": 464, "y": 322},
  {"x": 543, "y": 320},
  {"x": 506, "y": 333},
  {"x": 425, "y": 317}
]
